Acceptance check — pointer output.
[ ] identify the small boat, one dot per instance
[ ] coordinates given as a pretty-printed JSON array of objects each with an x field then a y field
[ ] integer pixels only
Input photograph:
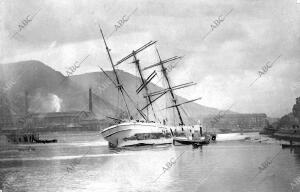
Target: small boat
[
  {"x": 194, "y": 137},
  {"x": 187, "y": 141},
  {"x": 289, "y": 145},
  {"x": 45, "y": 141}
]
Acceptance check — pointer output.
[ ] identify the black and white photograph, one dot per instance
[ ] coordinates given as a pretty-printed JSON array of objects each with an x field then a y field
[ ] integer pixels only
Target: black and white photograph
[{"x": 149, "y": 96}]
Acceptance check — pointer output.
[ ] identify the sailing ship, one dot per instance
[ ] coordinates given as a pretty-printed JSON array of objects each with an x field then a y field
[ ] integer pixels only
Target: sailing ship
[{"x": 130, "y": 132}]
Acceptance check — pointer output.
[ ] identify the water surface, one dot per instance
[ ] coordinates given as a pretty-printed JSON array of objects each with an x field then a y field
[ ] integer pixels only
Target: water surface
[{"x": 83, "y": 162}]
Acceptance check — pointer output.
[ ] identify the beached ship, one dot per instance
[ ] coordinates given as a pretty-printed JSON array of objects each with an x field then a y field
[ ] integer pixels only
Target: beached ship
[{"x": 144, "y": 131}]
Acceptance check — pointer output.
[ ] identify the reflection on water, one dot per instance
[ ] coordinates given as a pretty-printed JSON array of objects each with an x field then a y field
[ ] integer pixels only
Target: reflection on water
[{"x": 223, "y": 166}]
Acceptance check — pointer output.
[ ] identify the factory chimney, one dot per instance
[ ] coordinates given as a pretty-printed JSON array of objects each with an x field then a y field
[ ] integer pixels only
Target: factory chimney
[{"x": 90, "y": 100}]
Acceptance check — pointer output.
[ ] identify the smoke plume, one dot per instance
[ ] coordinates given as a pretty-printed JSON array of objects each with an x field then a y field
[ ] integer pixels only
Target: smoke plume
[{"x": 45, "y": 103}]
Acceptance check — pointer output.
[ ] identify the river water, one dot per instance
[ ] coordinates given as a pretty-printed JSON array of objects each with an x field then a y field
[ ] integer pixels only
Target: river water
[{"x": 83, "y": 162}]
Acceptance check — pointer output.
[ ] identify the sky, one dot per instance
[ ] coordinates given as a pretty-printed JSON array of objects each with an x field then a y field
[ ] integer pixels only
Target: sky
[{"x": 223, "y": 59}]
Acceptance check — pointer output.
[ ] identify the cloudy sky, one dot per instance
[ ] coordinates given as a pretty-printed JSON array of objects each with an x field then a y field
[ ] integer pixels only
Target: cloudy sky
[{"x": 223, "y": 61}]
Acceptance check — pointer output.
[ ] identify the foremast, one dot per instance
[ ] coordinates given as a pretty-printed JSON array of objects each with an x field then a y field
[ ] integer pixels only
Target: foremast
[{"x": 118, "y": 84}]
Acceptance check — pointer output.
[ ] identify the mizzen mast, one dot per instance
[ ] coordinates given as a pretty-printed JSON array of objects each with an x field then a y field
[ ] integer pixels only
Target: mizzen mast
[{"x": 170, "y": 89}]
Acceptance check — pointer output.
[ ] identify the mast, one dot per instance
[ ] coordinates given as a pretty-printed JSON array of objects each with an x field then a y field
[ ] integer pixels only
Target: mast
[
  {"x": 170, "y": 89},
  {"x": 144, "y": 81},
  {"x": 119, "y": 85},
  {"x": 164, "y": 71},
  {"x": 137, "y": 64}
]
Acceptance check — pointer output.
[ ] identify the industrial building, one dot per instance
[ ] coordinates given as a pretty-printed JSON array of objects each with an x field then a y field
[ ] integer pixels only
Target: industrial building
[{"x": 44, "y": 122}]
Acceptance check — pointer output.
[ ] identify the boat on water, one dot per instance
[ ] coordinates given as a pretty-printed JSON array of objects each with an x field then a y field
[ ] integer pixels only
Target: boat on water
[
  {"x": 194, "y": 137},
  {"x": 134, "y": 133},
  {"x": 187, "y": 141},
  {"x": 290, "y": 146},
  {"x": 130, "y": 132}
]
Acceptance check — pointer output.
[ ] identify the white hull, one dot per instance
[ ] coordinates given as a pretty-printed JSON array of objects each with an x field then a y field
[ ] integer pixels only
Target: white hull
[{"x": 137, "y": 133}]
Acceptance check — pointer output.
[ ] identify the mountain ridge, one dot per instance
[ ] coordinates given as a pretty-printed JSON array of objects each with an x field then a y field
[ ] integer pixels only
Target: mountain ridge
[{"x": 43, "y": 84}]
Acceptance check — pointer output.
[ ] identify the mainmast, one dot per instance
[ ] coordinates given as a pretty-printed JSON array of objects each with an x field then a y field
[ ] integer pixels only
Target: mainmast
[
  {"x": 164, "y": 71},
  {"x": 137, "y": 64},
  {"x": 145, "y": 82},
  {"x": 118, "y": 85}
]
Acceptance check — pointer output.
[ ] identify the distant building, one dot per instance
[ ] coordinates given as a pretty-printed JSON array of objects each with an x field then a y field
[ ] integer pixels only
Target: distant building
[
  {"x": 296, "y": 109},
  {"x": 237, "y": 122}
]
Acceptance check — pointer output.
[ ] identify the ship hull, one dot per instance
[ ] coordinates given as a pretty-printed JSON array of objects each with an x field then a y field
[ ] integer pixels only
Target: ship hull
[
  {"x": 137, "y": 133},
  {"x": 186, "y": 141}
]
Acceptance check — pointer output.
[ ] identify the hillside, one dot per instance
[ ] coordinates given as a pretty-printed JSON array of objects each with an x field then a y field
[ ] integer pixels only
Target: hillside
[{"x": 49, "y": 90}]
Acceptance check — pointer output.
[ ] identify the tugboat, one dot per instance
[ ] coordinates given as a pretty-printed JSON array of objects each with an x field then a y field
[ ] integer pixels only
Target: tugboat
[
  {"x": 131, "y": 132},
  {"x": 194, "y": 138}
]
